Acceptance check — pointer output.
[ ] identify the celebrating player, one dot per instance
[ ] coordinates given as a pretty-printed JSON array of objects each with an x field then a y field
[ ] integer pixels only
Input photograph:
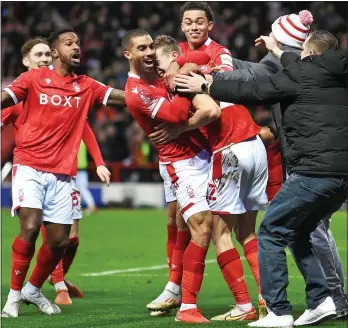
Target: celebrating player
[
  {"x": 55, "y": 106},
  {"x": 35, "y": 54},
  {"x": 236, "y": 186},
  {"x": 185, "y": 161},
  {"x": 196, "y": 23}
]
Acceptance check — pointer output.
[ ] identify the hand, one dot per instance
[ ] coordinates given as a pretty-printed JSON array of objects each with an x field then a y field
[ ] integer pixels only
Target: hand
[
  {"x": 209, "y": 78},
  {"x": 189, "y": 67},
  {"x": 104, "y": 174},
  {"x": 189, "y": 84},
  {"x": 165, "y": 133},
  {"x": 168, "y": 78},
  {"x": 269, "y": 42},
  {"x": 217, "y": 69}
]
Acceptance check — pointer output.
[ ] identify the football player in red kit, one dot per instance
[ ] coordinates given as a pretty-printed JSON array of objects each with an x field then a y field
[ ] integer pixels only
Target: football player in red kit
[
  {"x": 196, "y": 23},
  {"x": 56, "y": 103},
  {"x": 233, "y": 188},
  {"x": 36, "y": 53}
]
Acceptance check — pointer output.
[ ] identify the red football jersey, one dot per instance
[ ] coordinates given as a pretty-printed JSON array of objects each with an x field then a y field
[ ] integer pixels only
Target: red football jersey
[
  {"x": 12, "y": 115},
  {"x": 54, "y": 116},
  {"x": 235, "y": 124},
  {"x": 219, "y": 55},
  {"x": 150, "y": 106}
]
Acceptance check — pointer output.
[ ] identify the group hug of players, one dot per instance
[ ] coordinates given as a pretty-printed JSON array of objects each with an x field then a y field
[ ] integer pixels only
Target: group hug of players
[{"x": 214, "y": 160}]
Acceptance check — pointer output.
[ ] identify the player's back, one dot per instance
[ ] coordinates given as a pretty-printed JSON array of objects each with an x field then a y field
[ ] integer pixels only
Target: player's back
[
  {"x": 53, "y": 117},
  {"x": 234, "y": 125},
  {"x": 144, "y": 101}
]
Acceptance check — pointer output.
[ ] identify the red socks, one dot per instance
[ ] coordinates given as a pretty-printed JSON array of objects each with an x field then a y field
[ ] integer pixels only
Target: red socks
[
  {"x": 193, "y": 271},
  {"x": 46, "y": 261},
  {"x": 232, "y": 270},
  {"x": 22, "y": 253},
  {"x": 171, "y": 241},
  {"x": 70, "y": 253},
  {"x": 251, "y": 254},
  {"x": 182, "y": 240},
  {"x": 275, "y": 169}
]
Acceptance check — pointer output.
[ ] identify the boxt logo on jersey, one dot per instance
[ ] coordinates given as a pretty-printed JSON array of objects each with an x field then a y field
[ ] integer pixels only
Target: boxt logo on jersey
[{"x": 57, "y": 100}]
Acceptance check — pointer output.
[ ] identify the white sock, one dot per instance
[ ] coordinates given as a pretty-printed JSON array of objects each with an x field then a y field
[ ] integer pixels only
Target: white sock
[
  {"x": 31, "y": 289},
  {"x": 60, "y": 286},
  {"x": 174, "y": 288},
  {"x": 184, "y": 306},
  {"x": 245, "y": 307},
  {"x": 14, "y": 295}
]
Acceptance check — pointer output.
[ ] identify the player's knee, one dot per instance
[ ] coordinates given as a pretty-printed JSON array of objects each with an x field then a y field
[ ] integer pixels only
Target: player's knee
[
  {"x": 29, "y": 227},
  {"x": 201, "y": 228},
  {"x": 172, "y": 213},
  {"x": 58, "y": 243}
]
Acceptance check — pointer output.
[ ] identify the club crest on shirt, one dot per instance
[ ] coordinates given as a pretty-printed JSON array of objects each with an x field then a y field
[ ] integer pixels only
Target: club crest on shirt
[
  {"x": 76, "y": 87},
  {"x": 20, "y": 195}
]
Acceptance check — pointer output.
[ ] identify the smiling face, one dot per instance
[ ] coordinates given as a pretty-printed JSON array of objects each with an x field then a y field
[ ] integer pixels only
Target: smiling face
[
  {"x": 196, "y": 27},
  {"x": 141, "y": 55},
  {"x": 67, "y": 49},
  {"x": 163, "y": 60},
  {"x": 38, "y": 56}
]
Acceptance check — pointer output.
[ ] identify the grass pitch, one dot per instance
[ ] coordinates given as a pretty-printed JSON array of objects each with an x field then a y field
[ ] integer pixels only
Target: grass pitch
[{"x": 124, "y": 241}]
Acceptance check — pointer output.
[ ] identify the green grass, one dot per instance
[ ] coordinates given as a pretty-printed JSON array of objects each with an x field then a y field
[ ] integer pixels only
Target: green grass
[{"x": 112, "y": 240}]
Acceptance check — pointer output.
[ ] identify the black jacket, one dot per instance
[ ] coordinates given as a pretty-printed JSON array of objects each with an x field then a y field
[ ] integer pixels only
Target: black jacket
[{"x": 313, "y": 96}]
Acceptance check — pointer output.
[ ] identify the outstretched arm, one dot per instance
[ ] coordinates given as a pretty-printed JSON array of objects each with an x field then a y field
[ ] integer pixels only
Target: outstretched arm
[
  {"x": 116, "y": 97},
  {"x": 6, "y": 99}
]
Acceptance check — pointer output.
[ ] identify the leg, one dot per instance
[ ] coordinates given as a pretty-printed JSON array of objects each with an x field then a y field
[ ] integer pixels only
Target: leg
[
  {"x": 325, "y": 253},
  {"x": 171, "y": 231},
  {"x": 232, "y": 269},
  {"x": 27, "y": 196},
  {"x": 246, "y": 236},
  {"x": 82, "y": 184}
]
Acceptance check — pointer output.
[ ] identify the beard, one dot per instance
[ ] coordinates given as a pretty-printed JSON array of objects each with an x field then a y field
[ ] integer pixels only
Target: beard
[{"x": 149, "y": 73}]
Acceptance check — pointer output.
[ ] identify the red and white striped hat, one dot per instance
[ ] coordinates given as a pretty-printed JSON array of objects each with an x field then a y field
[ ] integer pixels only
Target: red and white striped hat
[{"x": 292, "y": 30}]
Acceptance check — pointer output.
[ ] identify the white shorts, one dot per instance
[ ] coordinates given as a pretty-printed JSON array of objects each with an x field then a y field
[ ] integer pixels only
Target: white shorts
[
  {"x": 167, "y": 183},
  {"x": 76, "y": 200},
  {"x": 189, "y": 179},
  {"x": 52, "y": 193},
  {"x": 238, "y": 178}
]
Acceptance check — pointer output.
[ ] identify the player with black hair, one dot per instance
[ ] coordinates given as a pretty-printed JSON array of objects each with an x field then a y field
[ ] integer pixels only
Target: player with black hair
[{"x": 56, "y": 103}]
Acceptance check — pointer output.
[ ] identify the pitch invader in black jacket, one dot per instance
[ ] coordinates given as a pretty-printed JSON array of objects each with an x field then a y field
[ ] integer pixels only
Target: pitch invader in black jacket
[{"x": 313, "y": 96}]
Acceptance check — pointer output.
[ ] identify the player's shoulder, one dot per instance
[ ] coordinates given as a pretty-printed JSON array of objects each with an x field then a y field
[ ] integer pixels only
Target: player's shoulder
[
  {"x": 183, "y": 45},
  {"x": 219, "y": 48}
]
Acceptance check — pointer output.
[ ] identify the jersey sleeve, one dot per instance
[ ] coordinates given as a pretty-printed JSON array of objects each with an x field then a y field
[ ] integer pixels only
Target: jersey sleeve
[
  {"x": 6, "y": 116},
  {"x": 18, "y": 89},
  {"x": 90, "y": 141},
  {"x": 101, "y": 92},
  {"x": 223, "y": 58},
  {"x": 160, "y": 108}
]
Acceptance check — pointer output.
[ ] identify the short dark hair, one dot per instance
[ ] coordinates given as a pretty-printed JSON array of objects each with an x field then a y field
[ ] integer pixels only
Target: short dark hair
[
  {"x": 54, "y": 36},
  {"x": 127, "y": 38},
  {"x": 197, "y": 5},
  {"x": 168, "y": 44},
  {"x": 323, "y": 40},
  {"x": 30, "y": 44}
]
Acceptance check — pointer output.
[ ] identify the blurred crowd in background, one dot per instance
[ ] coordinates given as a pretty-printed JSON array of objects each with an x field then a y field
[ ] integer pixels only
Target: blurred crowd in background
[{"x": 101, "y": 26}]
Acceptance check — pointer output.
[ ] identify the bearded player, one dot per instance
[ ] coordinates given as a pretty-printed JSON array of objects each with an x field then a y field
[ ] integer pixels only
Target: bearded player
[
  {"x": 196, "y": 23},
  {"x": 36, "y": 53},
  {"x": 186, "y": 163},
  {"x": 56, "y": 103}
]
